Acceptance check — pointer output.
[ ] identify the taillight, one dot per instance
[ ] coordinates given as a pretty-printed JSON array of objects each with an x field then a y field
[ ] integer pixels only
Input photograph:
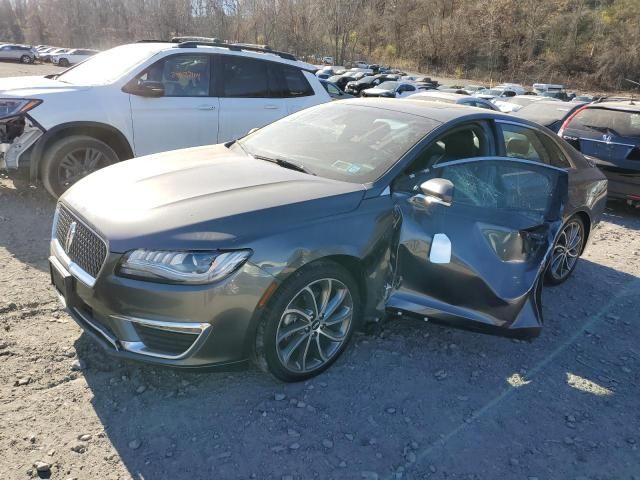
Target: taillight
[{"x": 568, "y": 120}]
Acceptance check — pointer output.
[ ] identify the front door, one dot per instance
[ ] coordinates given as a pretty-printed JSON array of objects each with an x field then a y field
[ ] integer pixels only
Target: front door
[
  {"x": 478, "y": 261},
  {"x": 187, "y": 114}
]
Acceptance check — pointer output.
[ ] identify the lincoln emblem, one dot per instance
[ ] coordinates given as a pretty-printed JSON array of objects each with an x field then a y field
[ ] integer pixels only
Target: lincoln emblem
[{"x": 70, "y": 234}]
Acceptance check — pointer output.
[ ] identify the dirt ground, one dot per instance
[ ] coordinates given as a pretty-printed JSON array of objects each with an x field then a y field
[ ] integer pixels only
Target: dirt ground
[{"x": 412, "y": 401}]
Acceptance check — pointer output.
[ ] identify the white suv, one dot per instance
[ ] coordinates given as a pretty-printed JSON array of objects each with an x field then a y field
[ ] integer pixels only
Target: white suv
[
  {"x": 144, "y": 98},
  {"x": 72, "y": 57}
]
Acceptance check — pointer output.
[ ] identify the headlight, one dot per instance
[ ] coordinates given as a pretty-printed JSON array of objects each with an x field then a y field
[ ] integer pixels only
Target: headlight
[
  {"x": 181, "y": 267},
  {"x": 11, "y": 107}
]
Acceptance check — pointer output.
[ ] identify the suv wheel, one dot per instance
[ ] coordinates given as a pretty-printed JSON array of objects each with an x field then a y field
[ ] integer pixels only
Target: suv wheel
[
  {"x": 72, "y": 158},
  {"x": 566, "y": 251},
  {"x": 308, "y": 323},
  {"x": 63, "y": 62},
  {"x": 26, "y": 59}
]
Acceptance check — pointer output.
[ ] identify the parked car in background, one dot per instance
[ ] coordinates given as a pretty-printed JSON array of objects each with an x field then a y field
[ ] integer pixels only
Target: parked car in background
[
  {"x": 72, "y": 57},
  {"x": 144, "y": 98},
  {"x": 547, "y": 112},
  {"x": 513, "y": 104},
  {"x": 327, "y": 60},
  {"x": 329, "y": 218},
  {"x": 46, "y": 56},
  {"x": 446, "y": 97},
  {"x": 334, "y": 91},
  {"x": 341, "y": 80},
  {"x": 552, "y": 91},
  {"x": 471, "y": 89},
  {"x": 391, "y": 89},
  {"x": 582, "y": 99},
  {"x": 17, "y": 53},
  {"x": 501, "y": 91},
  {"x": 356, "y": 87},
  {"x": 608, "y": 134}
]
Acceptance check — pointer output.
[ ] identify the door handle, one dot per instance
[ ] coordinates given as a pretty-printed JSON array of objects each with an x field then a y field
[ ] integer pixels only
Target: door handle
[
  {"x": 271, "y": 107},
  {"x": 206, "y": 107}
]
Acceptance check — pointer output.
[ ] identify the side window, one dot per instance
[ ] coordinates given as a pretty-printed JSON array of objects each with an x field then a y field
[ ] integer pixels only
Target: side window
[
  {"x": 332, "y": 89},
  {"x": 500, "y": 185},
  {"x": 529, "y": 144},
  {"x": 522, "y": 142},
  {"x": 556, "y": 156},
  {"x": 465, "y": 142},
  {"x": 181, "y": 75},
  {"x": 296, "y": 83},
  {"x": 244, "y": 77}
]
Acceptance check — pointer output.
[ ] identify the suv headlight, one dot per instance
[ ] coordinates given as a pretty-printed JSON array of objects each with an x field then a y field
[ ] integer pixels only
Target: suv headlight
[
  {"x": 11, "y": 107},
  {"x": 188, "y": 267}
]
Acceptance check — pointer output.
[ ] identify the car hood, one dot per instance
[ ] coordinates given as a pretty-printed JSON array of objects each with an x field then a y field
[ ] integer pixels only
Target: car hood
[
  {"x": 202, "y": 198},
  {"x": 33, "y": 87}
]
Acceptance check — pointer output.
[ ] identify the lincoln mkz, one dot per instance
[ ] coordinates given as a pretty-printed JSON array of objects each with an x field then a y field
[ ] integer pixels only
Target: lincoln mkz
[{"x": 275, "y": 247}]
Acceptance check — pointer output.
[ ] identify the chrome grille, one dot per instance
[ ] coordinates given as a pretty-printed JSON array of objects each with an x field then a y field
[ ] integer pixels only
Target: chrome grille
[{"x": 87, "y": 249}]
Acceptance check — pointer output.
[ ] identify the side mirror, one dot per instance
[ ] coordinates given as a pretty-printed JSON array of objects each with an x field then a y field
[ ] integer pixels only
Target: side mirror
[
  {"x": 438, "y": 190},
  {"x": 146, "y": 88}
]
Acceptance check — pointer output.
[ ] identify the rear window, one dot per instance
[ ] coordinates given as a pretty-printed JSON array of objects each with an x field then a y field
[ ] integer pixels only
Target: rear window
[{"x": 605, "y": 121}]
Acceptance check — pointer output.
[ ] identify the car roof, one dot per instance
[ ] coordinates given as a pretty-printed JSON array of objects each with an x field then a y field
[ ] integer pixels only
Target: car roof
[
  {"x": 629, "y": 106},
  {"x": 157, "y": 47},
  {"x": 443, "y": 95},
  {"x": 438, "y": 111}
]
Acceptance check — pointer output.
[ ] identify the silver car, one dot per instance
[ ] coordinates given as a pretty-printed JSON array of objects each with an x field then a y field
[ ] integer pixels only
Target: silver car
[{"x": 20, "y": 53}]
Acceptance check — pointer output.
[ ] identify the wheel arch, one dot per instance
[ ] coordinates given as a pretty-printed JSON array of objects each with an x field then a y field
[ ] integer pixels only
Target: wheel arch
[
  {"x": 586, "y": 221},
  {"x": 101, "y": 131}
]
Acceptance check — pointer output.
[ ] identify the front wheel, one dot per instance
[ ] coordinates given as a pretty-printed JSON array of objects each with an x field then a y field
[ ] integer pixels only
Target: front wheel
[
  {"x": 308, "y": 323},
  {"x": 72, "y": 158},
  {"x": 63, "y": 62},
  {"x": 566, "y": 251}
]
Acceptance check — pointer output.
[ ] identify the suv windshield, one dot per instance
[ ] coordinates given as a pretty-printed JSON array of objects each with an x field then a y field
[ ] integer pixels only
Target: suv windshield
[
  {"x": 107, "y": 66},
  {"x": 351, "y": 143},
  {"x": 603, "y": 120}
]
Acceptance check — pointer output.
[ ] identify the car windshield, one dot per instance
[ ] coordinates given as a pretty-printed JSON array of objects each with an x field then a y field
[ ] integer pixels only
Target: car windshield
[
  {"x": 351, "y": 143},
  {"x": 388, "y": 85},
  {"x": 105, "y": 67}
]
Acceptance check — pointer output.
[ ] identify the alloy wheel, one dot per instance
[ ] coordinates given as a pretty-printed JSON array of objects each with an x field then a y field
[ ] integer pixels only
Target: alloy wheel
[
  {"x": 314, "y": 325},
  {"x": 80, "y": 163},
  {"x": 566, "y": 250}
]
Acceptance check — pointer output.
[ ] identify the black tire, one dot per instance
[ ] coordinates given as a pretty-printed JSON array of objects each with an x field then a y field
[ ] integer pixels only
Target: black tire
[
  {"x": 551, "y": 275},
  {"x": 26, "y": 59},
  {"x": 266, "y": 351},
  {"x": 63, "y": 62},
  {"x": 54, "y": 170}
]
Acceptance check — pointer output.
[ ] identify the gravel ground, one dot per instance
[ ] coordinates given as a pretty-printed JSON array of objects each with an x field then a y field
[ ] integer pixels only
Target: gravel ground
[{"x": 413, "y": 400}]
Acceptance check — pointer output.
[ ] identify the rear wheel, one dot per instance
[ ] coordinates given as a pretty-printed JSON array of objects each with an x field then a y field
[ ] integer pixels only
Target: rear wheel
[
  {"x": 309, "y": 323},
  {"x": 26, "y": 59},
  {"x": 72, "y": 158},
  {"x": 566, "y": 251},
  {"x": 63, "y": 62}
]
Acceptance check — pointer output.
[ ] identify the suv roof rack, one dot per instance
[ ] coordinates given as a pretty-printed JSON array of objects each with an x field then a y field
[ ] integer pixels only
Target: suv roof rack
[{"x": 237, "y": 47}]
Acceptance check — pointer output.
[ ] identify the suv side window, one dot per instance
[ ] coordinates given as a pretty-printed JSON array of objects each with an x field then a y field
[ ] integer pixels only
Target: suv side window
[
  {"x": 295, "y": 83},
  {"x": 529, "y": 144},
  {"x": 185, "y": 75},
  {"x": 244, "y": 77}
]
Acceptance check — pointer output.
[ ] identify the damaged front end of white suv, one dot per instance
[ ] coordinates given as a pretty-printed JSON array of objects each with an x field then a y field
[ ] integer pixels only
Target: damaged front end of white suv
[{"x": 18, "y": 131}]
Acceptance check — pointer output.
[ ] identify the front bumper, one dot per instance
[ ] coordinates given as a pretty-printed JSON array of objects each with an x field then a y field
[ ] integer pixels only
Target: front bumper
[
  {"x": 175, "y": 325},
  {"x": 13, "y": 148}
]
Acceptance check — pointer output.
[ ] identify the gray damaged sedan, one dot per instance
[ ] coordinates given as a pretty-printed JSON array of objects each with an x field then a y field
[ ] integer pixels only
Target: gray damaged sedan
[{"x": 277, "y": 246}]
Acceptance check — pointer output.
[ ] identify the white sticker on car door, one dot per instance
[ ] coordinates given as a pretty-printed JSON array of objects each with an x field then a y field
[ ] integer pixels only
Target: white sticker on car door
[{"x": 440, "y": 249}]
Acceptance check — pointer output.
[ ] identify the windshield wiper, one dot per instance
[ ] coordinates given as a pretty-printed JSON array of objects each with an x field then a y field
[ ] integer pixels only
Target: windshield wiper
[{"x": 285, "y": 163}]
